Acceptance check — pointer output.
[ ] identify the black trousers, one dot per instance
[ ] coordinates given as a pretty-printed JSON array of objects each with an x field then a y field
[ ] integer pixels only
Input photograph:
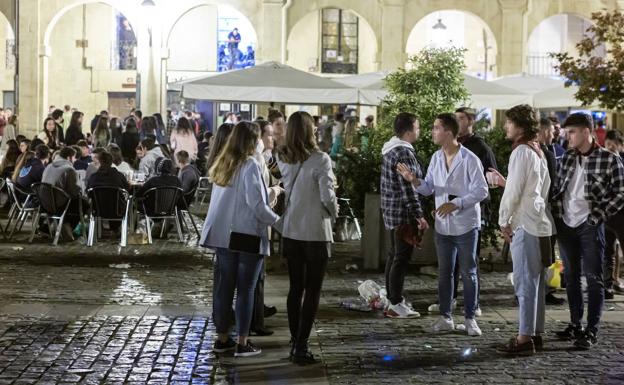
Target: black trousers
[
  {"x": 307, "y": 263},
  {"x": 396, "y": 267},
  {"x": 614, "y": 229}
]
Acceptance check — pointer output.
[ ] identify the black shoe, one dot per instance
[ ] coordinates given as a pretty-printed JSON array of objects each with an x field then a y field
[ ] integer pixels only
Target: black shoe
[
  {"x": 572, "y": 332},
  {"x": 292, "y": 349},
  {"x": 609, "y": 294},
  {"x": 538, "y": 342},
  {"x": 261, "y": 332},
  {"x": 586, "y": 341},
  {"x": 304, "y": 357},
  {"x": 269, "y": 311},
  {"x": 222, "y": 347},
  {"x": 552, "y": 300},
  {"x": 247, "y": 350},
  {"x": 513, "y": 348}
]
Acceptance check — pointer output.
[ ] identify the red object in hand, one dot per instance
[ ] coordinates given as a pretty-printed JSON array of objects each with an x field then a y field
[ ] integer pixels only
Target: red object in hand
[{"x": 410, "y": 234}]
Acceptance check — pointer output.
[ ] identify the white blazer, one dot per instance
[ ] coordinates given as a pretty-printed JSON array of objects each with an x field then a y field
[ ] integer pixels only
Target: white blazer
[
  {"x": 313, "y": 204},
  {"x": 241, "y": 207}
]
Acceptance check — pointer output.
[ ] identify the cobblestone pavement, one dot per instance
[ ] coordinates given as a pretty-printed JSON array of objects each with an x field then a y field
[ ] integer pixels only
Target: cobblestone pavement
[{"x": 141, "y": 315}]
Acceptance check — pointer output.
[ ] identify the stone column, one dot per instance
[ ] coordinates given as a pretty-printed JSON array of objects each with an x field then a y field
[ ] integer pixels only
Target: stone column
[
  {"x": 149, "y": 42},
  {"x": 270, "y": 32},
  {"x": 513, "y": 37},
  {"x": 32, "y": 66},
  {"x": 392, "y": 42}
]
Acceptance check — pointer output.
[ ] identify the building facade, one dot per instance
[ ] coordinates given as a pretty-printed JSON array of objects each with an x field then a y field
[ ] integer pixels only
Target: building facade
[{"x": 115, "y": 54}]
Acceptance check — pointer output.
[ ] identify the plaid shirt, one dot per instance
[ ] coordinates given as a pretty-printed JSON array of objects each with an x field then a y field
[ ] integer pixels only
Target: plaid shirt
[
  {"x": 399, "y": 200},
  {"x": 605, "y": 184}
]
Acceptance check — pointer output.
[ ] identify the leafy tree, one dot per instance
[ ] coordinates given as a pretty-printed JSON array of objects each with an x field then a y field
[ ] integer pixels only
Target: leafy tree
[
  {"x": 433, "y": 83},
  {"x": 599, "y": 79}
]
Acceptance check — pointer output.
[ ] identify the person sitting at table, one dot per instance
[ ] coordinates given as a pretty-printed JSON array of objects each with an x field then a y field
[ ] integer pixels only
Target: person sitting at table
[
  {"x": 32, "y": 172},
  {"x": 118, "y": 162},
  {"x": 188, "y": 174},
  {"x": 84, "y": 158},
  {"x": 95, "y": 164},
  {"x": 164, "y": 177},
  {"x": 151, "y": 152},
  {"x": 108, "y": 176},
  {"x": 61, "y": 173}
]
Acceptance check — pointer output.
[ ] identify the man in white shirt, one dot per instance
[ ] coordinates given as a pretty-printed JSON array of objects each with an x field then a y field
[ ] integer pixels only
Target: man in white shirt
[
  {"x": 525, "y": 223},
  {"x": 455, "y": 176}
]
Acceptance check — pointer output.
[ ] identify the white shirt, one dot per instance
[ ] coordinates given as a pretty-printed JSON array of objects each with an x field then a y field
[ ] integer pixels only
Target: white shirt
[
  {"x": 123, "y": 167},
  {"x": 524, "y": 200},
  {"x": 465, "y": 180},
  {"x": 575, "y": 206}
]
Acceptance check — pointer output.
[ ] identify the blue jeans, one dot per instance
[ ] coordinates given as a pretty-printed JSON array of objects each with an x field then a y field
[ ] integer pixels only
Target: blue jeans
[
  {"x": 582, "y": 249},
  {"x": 234, "y": 271},
  {"x": 529, "y": 276},
  {"x": 449, "y": 249}
]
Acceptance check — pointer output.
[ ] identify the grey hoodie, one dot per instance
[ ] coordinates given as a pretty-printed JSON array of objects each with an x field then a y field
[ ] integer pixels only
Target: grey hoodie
[
  {"x": 61, "y": 173},
  {"x": 147, "y": 165}
]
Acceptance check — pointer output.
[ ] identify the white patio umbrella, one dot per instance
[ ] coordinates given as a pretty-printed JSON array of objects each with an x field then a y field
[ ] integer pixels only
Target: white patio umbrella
[
  {"x": 269, "y": 82},
  {"x": 371, "y": 88},
  {"x": 544, "y": 92}
]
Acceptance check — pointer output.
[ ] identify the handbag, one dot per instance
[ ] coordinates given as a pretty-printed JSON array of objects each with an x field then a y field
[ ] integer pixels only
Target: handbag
[
  {"x": 410, "y": 234},
  {"x": 242, "y": 242}
]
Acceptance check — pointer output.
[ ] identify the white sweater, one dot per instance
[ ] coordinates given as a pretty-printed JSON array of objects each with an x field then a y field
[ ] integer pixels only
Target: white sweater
[{"x": 524, "y": 200}]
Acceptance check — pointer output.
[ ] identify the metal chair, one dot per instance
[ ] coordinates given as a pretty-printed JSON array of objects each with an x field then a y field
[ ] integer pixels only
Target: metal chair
[
  {"x": 53, "y": 204},
  {"x": 108, "y": 203},
  {"x": 20, "y": 210},
  {"x": 187, "y": 201},
  {"x": 161, "y": 203},
  {"x": 204, "y": 187}
]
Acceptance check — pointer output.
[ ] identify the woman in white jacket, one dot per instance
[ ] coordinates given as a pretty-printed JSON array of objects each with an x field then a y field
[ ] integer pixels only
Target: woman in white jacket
[
  {"x": 311, "y": 207},
  {"x": 238, "y": 208}
]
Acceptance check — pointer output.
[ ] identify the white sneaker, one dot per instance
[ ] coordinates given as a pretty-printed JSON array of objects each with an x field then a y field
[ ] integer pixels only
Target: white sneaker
[
  {"x": 401, "y": 310},
  {"x": 478, "y": 311},
  {"x": 472, "y": 328},
  {"x": 443, "y": 324},
  {"x": 435, "y": 308}
]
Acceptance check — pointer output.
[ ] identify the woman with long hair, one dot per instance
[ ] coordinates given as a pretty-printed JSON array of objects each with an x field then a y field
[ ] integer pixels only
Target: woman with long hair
[
  {"x": 183, "y": 139},
  {"x": 23, "y": 159},
  {"x": 10, "y": 132},
  {"x": 49, "y": 134},
  {"x": 218, "y": 142},
  {"x": 9, "y": 160},
  {"x": 115, "y": 130},
  {"x": 161, "y": 136},
  {"x": 130, "y": 140},
  {"x": 74, "y": 131},
  {"x": 148, "y": 128},
  {"x": 311, "y": 208},
  {"x": 237, "y": 227},
  {"x": 101, "y": 135}
]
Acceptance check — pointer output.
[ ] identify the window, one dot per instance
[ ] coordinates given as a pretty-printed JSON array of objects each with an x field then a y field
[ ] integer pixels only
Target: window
[{"x": 339, "y": 46}]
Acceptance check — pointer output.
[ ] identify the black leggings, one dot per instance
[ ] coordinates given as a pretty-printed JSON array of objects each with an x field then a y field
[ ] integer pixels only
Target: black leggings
[{"x": 307, "y": 262}]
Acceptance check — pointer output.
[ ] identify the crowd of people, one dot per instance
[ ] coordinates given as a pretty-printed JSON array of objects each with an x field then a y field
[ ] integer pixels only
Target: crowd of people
[
  {"x": 560, "y": 181},
  {"x": 276, "y": 175}
]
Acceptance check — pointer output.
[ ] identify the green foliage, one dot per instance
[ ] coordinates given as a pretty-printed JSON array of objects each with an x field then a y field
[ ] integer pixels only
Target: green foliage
[
  {"x": 599, "y": 79},
  {"x": 434, "y": 83},
  {"x": 501, "y": 147}
]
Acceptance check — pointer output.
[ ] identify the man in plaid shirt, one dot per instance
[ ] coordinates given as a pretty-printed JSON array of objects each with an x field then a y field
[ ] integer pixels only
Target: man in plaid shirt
[
  {"x": 588, "y": 195},
  {"x": 400, "y": 205}
]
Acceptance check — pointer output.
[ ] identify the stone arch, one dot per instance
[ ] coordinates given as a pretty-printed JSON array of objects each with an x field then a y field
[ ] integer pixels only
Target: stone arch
[
  {"x": 473, "y": 57},
  {"x": 311, "y": 18},
  {"x": 367, "y": 10},
  {"x": 549, "y": 36},
  {"x": 123, "y": 7},
  {"x": 240, "y": 6}
]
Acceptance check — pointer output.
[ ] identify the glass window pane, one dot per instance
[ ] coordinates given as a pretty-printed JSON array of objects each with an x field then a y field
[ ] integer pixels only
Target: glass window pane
[
  {"x": 330, "y": 29},
  {"x": 349, "y": 30},
  {"x": 349, "y": 17},
  {"x": 331, "y": 14},
  {"x": 351, "y": 42},
  {"x": 330, "y": 42}
]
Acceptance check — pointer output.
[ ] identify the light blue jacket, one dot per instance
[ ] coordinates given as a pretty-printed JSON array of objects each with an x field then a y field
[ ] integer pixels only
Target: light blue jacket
[{"x": 241, "y": 207}]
